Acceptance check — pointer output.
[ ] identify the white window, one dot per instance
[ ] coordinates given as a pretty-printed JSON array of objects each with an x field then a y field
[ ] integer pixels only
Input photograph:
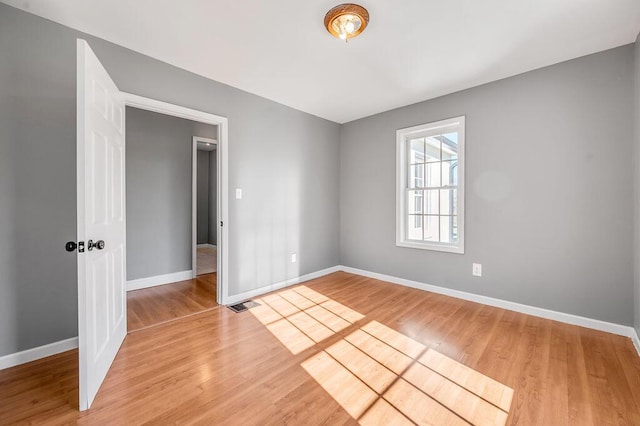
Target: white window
[{"x": 430, "y": 186}]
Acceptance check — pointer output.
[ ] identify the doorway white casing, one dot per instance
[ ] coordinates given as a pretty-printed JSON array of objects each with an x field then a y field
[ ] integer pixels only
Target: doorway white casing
[
  {"x": 194, "y": 202},
  {"x": 140, "y": 102}
]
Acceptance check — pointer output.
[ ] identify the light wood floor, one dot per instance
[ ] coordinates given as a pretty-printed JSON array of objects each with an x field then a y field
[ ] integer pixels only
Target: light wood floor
[
  {"x": 206, "y": 260},
  {"x": 156, "y": 305},
  {"x": 314, "y": 354}
]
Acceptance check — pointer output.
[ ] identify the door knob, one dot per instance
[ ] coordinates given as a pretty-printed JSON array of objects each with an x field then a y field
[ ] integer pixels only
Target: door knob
[{"x": 98, "y": 245}]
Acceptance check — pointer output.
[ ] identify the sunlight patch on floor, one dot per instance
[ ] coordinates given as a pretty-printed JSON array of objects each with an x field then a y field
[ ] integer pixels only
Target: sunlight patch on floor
[
  {"x": 380, "y": 376},
  {"x": 300, "y": 317}
]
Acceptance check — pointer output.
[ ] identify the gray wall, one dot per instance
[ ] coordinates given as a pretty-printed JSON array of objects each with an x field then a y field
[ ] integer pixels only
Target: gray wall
[
  {"x": 213, "y": 197},
  {"x": 10, "y": 213},
  {"x": 38, "y": 288},
  {"x": 202, "y": 202},
  {"x": 158, "y": 155},
  {"x": 636, "y": 120},
  {"x": 548, "y": 189},
  {"x": 285, "y": 160}
]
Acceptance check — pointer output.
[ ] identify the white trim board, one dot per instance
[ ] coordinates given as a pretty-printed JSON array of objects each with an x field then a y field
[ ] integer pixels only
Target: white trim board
[
  {"x": 33, "y": 354},
  {"x": 141, "y": 283},
  {"x": 236, "y": 298},
  {"x": 595, "y": 324},
  {"x": 206, "y": 245},
  {"x": 161, "y": 107},
  {"x": 636, "y": 341}
]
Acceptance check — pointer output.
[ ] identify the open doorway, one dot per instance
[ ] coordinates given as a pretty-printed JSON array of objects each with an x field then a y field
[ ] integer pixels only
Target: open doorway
[
  {"x": 205, "y": 205},
  {"x": 172, "y": 209}
]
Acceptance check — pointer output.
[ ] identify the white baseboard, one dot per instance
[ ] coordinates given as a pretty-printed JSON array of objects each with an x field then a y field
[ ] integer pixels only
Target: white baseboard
[
  {"x": 33, "y": 354},
  {"x": 230, "y": 300},
  {"x": 595, "y": 324},
  {"x": 158, "y": 280},
  {"x": 636, "y": 341},
  {"x": 207, "y": 245}
]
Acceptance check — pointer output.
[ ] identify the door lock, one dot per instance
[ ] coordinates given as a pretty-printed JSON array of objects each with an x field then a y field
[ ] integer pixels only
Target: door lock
[{"x": 72, "y": 246}]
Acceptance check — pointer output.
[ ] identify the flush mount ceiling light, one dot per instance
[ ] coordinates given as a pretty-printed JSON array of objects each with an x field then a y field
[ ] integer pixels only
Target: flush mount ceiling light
[{"x": 346, "y": 20}]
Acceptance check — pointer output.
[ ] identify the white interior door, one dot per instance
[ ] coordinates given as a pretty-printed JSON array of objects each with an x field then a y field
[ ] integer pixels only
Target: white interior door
[{"x": 102, "y": 323}]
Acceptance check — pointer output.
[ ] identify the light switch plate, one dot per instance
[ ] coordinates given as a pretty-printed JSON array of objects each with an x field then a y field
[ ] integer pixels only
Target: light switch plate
[{"x": 238, "y": 193}]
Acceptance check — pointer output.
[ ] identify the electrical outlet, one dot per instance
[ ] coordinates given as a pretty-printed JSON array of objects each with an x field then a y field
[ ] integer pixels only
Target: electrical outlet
[
  {"x": 238, "y": 193},
  {"x": 294, "y": 258},
  {"x": 477, "y": 270}
]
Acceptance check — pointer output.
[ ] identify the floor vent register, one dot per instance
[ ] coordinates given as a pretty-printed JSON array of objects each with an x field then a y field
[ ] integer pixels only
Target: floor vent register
[{"x": 241, "y": 307}]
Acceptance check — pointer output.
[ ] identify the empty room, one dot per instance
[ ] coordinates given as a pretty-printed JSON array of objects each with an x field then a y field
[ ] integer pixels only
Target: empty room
[{"x": 380, "y": 213}]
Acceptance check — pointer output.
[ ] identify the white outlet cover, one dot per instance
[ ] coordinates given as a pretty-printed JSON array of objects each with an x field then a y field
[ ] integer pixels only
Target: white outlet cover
[
  {"x": 238, "y": 193},
  {"x": 477, "y": 270},
  {"x": 294, "y": 258}
]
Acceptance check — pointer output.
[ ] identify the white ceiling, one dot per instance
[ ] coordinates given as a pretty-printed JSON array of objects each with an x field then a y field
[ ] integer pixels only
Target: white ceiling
[{"x": 413, "y": 50}]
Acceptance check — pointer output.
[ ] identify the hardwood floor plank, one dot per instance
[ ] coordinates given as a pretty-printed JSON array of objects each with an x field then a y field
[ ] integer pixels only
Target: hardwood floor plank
[
  {"x": 622, "y": 401},
  {"x": 557, "y": 394},
  {"x": 578, "y": 390},
  {"x": 463, "y": 329},
  {"x": 308, "y": 404}
]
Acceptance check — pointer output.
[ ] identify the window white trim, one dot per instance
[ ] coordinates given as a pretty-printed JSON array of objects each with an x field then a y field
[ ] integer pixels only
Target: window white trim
[{"x": 429, "y": 129}]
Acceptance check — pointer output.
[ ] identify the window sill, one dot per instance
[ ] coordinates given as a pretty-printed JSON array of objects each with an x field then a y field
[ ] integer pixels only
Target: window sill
[{"x": 434, "y": 247}]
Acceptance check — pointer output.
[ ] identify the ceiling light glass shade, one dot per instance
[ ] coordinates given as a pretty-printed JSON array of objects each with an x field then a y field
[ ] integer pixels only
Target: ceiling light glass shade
[{"x": 346, "y": 20}]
